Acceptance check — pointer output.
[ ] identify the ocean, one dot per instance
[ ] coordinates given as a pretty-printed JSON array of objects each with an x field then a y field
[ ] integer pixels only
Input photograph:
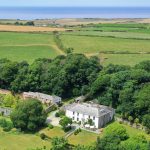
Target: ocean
[{"x": 73, "y": 12}]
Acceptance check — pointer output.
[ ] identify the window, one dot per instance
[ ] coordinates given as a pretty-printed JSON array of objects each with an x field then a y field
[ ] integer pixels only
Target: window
[
  {"x": 93, "y": 118},
  {"x": 73, "y": 118},
  {"x": 77, "y": 119},
  {"x": 89, "y": 117},
  {"x": 78, "y": 114},
  {"x": 73, "y": 113}
]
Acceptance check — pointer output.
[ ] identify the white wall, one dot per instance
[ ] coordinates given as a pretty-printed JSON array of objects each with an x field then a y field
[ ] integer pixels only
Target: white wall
[{"x": 80, "y": 117}]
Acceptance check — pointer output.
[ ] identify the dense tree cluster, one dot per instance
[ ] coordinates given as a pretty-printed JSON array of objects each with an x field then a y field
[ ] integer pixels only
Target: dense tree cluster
[
  {"x": 126, "y": 89},
  {"x": 65, "y": 76}
]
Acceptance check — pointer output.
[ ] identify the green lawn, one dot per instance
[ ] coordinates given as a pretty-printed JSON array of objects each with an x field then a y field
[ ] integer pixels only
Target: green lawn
[
  {"x": 56, "y": 131},
  {"x": 12, "y": 141},
  {"x": 83, "y": 138}
]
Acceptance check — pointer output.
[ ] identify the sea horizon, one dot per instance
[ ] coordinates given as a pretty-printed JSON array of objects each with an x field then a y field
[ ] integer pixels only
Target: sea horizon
[{"x": 29, "y": 13}]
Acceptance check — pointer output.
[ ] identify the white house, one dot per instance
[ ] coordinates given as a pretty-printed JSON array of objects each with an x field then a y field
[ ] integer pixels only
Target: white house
[
  {"x": 44, "y": 98},
  {"x": 82, "y": 112}
]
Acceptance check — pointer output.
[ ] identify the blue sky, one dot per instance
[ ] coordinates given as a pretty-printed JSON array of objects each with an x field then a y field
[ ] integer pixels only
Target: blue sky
[{"x": 74, "y": 2}]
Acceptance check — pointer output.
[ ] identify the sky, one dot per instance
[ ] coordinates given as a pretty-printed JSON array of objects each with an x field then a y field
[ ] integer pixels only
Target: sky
[{"x": 85, "y": 3}]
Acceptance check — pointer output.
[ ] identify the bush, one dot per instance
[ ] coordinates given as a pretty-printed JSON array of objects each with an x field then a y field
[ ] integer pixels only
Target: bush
[
  {"x": 43, "y": 136},
  {"x": 57, "y": 114},
  {"x": 77, "y": 131},
  {"x": 50, "y": 126},
  {"x": 66, "y": 129},
  {"x": 6, "y": 125},
  {"x": 61, "y": 113}
]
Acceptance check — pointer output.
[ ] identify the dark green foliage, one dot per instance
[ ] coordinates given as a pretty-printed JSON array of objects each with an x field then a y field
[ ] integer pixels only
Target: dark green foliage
[
  {"x": 50, "y": 126},
  {"x": 126, "y": 89},
  {"x": 60, "y": 144},
  {"x": 29, "y": 115},
  {"x": 65, "y": 123},
  {"x": 42, "y": 136},
  {"x": 6, "y": 125},
  {"x": 65, "y": 76},
  {"x": 80, "y": 147},
  {"x": 77, "y": 131},
  {"x": 135, "y": 143},
  {"x": 112, "y": 138},
  {"x": 109, "y": 142},
  {"x": 57, "y": 114}
]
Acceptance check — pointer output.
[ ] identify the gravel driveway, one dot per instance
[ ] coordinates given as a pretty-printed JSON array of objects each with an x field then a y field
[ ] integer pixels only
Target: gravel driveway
[{"x": 52, "y": 119}]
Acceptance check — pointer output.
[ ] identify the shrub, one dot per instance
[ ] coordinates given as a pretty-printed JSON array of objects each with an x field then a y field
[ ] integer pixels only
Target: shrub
[
  {"x": 6, "y": 125},
  {"x": 77, "y": 131},
  {"x": 61, "y": 113},
  {"x": 57, "y": 114},
  {"x": 42, "y": 136},
  {"x": 50, "y": 126}
]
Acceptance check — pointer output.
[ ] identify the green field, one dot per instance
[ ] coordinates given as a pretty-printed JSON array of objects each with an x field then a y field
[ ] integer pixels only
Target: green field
[
  {"x": 131, "y": 42},
  {"x": 123, "y": 59},
  {"x": 27, "y": 46},
  {"x": 89, "y": 44},
  {"x": 12, "y": 141}
]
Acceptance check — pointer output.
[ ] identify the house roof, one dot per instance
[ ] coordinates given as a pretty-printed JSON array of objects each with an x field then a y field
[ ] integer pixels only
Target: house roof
[
  {"x": 89, "y": 109},
  {"x": 37, "y": 95}
]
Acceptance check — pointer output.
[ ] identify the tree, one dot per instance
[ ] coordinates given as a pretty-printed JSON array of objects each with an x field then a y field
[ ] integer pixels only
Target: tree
[
  {"x": 138, "y": 142},
  {"x": 136, "y": 121},
  {"x": 9, "y": 100},
  {"x": 29, "y": 115},
  {"x": 146, "y": 121},
  {"x": 130, "y": 118},
  {"x": 60, "y": 144},
  {"x": 117, "y": 130},
  {"x": 65, "y": 122},
  {"x": 108, "y": 142}
]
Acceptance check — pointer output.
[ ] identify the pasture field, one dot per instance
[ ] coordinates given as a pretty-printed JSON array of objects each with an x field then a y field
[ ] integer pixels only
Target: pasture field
[
  {"x": 123, "y": 59},
  {"x": 126, "y": 44},
  {"x": 27, "y": 46},
  {"x": 117, "y": 34},
  {"x": 90, "y": 44}
]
